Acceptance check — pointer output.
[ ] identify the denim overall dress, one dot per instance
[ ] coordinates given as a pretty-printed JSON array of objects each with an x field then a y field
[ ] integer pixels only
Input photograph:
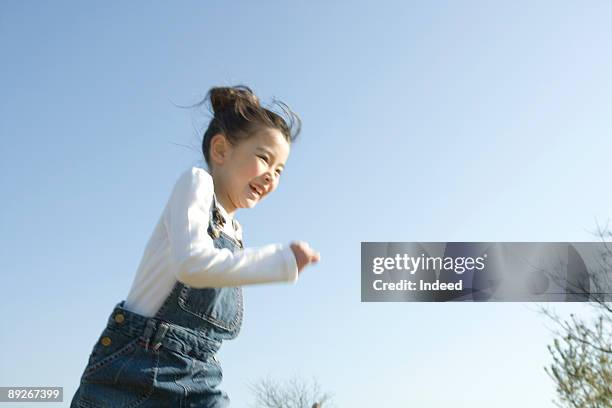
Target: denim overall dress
[{"x": 167, "y": 360}]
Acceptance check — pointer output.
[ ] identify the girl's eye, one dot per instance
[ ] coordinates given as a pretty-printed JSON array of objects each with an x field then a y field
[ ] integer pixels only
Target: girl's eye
[
  {"x": 278, "y": 172},
  {"x": 264, "y": 158}
]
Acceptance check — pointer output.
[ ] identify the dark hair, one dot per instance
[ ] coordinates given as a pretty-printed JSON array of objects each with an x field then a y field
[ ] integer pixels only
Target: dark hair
[{"x": 237, "y": 114}]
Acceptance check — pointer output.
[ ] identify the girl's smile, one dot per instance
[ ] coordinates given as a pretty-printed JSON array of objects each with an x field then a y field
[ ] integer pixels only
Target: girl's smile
[
  {"x": 245, "y": 148},
  {"x": 245, "y": 173}
]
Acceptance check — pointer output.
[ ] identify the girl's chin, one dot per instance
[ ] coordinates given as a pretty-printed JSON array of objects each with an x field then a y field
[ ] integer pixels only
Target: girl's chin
[{"x": 250, "y": 202}]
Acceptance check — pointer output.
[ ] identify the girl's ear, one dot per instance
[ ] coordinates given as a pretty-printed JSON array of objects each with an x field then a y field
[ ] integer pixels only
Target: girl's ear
[{"x": 219, "y": 148}]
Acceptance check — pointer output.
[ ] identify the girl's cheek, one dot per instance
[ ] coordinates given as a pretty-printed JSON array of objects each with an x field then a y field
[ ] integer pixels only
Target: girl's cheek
[
  {"x": 251, "y": 170},
  {"x": 258, "y": 169}
]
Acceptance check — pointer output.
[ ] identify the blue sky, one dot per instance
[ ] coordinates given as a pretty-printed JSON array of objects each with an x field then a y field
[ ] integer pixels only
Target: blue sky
[{"x": 445, "y": 121}]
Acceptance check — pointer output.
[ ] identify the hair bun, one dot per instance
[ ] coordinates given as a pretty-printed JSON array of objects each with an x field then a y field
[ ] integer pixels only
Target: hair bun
[
  {"x": 236, "y": 98},
  {"x": 237, "y": 114}
]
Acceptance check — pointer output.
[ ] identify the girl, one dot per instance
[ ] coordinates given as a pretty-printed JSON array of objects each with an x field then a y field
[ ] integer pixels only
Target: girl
[{"x": 159, "y": 346}]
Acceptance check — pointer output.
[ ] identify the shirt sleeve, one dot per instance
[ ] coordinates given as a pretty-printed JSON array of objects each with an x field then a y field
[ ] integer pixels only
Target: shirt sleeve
[{"x": 197, "y": 262}]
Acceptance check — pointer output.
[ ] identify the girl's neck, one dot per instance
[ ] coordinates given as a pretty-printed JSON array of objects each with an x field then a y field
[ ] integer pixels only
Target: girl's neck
[
  {"x": 221, "y": 195},
  {"x": 224, "y": 201}
]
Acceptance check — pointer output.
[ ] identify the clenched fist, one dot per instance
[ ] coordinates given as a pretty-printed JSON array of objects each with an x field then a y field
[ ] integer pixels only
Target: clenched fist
[{"x": 304, "y": 254}]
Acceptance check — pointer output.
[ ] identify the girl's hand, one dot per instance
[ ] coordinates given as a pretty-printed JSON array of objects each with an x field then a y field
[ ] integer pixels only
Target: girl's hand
[{"x": 304, "y": 254}]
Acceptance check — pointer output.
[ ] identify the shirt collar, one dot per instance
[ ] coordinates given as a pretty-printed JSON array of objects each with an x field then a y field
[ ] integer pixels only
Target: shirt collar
[{"x": 234, "y": 222}]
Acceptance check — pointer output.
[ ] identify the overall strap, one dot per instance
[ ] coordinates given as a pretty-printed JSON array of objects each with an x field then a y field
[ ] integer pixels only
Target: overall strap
[{"x": 217, "y": 222}]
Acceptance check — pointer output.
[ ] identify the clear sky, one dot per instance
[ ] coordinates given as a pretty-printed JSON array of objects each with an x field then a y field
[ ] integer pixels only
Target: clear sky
[{"x": 423, "y": 121}]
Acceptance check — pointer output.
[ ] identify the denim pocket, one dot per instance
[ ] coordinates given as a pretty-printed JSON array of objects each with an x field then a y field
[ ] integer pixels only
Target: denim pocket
[
  {"x": 120, "y": 377},
  {"x": 208, "y": 372},
  {"x": 183, "y": 353},
  {"x": 221, "y": 307},
  {"x": 109, "y": 346}
]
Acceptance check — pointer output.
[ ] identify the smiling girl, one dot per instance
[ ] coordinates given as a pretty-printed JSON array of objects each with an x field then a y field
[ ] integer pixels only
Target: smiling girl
[{"x": 159, "y": 345}]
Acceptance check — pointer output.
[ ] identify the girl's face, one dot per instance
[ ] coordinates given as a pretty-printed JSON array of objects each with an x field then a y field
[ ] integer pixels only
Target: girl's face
[{"x": 244, "y": 174}]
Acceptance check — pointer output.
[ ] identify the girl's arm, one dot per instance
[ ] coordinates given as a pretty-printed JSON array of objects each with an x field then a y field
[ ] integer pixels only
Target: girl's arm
[{"x": 197, "y": 262}]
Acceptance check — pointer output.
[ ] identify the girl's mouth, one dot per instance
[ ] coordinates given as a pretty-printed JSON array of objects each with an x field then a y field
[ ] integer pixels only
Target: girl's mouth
[{"x": 255, "y": 191}]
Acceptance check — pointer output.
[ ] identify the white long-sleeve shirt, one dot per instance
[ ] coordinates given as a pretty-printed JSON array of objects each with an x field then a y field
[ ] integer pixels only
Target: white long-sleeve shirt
[{"x": 181, "y": 249}]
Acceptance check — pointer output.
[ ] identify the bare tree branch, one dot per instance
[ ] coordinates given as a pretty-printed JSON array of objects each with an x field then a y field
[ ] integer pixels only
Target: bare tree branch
[
  {"x": 292, "y": 393},
  {"x": 582, "y": 351}
]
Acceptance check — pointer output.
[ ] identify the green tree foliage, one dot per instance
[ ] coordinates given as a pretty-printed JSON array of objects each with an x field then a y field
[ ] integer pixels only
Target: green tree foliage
[
  {"x": 582, "y": 350},
  {"x": 582, "y": 363}
]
